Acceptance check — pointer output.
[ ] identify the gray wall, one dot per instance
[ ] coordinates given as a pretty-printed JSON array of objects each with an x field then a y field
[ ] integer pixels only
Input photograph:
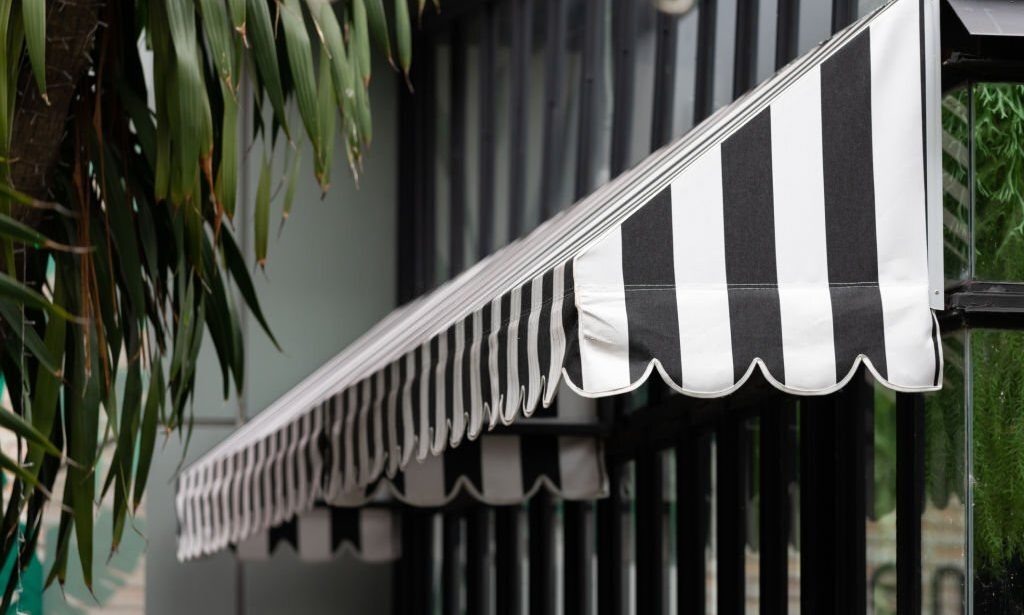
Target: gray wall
[{"x": 329, "y": 277}]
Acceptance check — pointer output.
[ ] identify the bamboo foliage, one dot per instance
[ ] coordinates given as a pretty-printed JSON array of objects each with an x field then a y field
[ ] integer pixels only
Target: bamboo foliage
[{"x": 111, "y": 282}]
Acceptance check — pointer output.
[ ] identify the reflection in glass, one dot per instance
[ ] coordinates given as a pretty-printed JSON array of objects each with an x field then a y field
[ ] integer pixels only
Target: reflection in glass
[
  {"x": 943, "y": 524},
  {"x": 442, "y": 157},
  {"x": 956, "y": 197},
  {"x": 998, "y": 130},
  {"x": 997, "y": 419}
]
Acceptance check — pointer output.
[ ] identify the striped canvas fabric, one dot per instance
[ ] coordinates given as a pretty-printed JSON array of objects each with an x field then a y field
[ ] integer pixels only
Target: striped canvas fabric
[
  {"x": 371, "y": 534},
  {"x": 786, "y": 234}
]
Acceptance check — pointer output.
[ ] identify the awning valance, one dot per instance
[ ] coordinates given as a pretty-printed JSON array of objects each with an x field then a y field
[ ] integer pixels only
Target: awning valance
[
  {"x": 787, "y": 233},
  {"x": 372, "y": 534}
]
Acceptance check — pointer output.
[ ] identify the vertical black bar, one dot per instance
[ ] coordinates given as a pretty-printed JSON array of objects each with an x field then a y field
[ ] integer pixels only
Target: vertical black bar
[
  {"x": 590, "y": 77},
  {"x": 745, "y": 58},
  {"x": 508, "y": 581},
  {"x": 817, "y": 504},
  {"x": 649, "y": 536},
  {"x": 427, "y": 227},
  {"x": 774, "y": 505},
  {"x": 854, "y": 429},
  {"x": 522, "y": 21},
  {"x": 576, "y": 571},
  {"x": 542, "y": 555},
  {"x": 457, "y": 150},
  {"x": 693, "y": 486},
  {"x": 731, "y": 490},
  {"x": 477, "y": 562},
  {"x": 450, "y": 581},
  {"x": 910, "y": 461},
  {"x": 623, "y": 37},
  {"x": 485, "y": 101},
  {"x": 420, "y": 563},
  {"x": 787, "y": 27},
  {"x": 704, "y": 84},
  {"x": 844, "y": 13},
  {"x": 409, "y": 165},
  {"x": 554, "y": 59},
  {"x": 664, "y": 78},
  {"x": 609, "y": 545}
]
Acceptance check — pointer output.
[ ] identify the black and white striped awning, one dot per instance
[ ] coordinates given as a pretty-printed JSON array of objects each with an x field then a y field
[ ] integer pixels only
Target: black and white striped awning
[
  {"x": 787, "y": 234},
  {"x": 372, "y": 534}
]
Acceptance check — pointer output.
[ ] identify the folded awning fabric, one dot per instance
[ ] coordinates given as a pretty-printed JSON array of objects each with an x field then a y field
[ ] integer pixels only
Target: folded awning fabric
[
  {"x": 372, "y": 534},
  {"x": 787, "y": 233}
]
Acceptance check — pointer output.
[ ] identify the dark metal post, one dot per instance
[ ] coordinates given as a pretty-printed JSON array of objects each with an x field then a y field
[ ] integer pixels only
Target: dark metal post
[
  {"x": 554, "y": 59},
  {"x": 485, "y": 215},
  {"x": 522, "y": 19},
  {"x": 693, "y": 487},
  {"x": 623, "y": 37},
  {"x": 576, "y": 546},
  {"x": 590, "y": 80},
  {"x": 910, "y": 451},
  {"x": 704, "y": 85},
  {"x": 817, "y": 504},
  {"x": 649, "y": 535},
  {"x": 731, "y": 487},
  {"x": 744, "y": 71},
  {"x": 787, "y": 26},
  {"x": 664, "y": 79},
  {"x": 542, "y": 556},
  {"x": 457, "y": 151},
  {"x": 609, "y": 545},
  {"x": 508, "y": 580},
  {"x": 774, "y": 505},
  {"x": 844, "y": 13},
  {"x": 451, "y": 583},
  {"x": 478, "y": 564},
  {"x": 853, "y": 438}
]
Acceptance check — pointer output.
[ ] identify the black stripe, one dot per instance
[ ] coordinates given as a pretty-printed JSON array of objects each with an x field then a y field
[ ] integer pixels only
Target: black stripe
[
  {"x": 371, "y": 421},
  {"x": 539, "y": 457},
  {"x": 544, "y": 324},
  {"x": 286, "y": 532},
  {"x": 523, "y": 338},
  {"x": 391, "y": 385},
  {"x": 485, "y": 356},
  {"x": 850, "y": 206},
  {"x": 570, "y": 328},
  {"x": 648, "y": 274},
  {"x": 398, "y": 482},
  {"x": 505, "y": 305},
  {"x": 749, "y": 220},
  {"x": 357, "y": 442},
  {"x": 467, "y": 365},
  {"x": 449, "y": 376},
  {"x": 344, "y": 527},
  {"x": 432, "y": 385},
  {"x": 463, "y": 460}
]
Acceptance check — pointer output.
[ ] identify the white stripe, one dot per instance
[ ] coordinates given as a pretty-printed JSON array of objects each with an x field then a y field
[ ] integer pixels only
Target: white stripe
[
  {"x": 255, "y": 548},
  {"x": 899, "y": 195},
  {"x": 237, "y": 477},
  {"x": 424, "y": 482},
  {"x": 801, "y": 255},
  {"x": 224, "y": 523},
  {"x": 314, "y": 535},
  {"x": 394, "y": 446},
  {"x": 534, "y": 391},
  {"x": 496, "y": 394},
  {"x": 316, "y": 460},
  {"x": 513, "y": 392},
  {"x": 581, "y": 464},
  {"x": 476, "y": 403},
  {"x": 303, "y": 487},
  {"x": 440, "y": 439},
  {"x": 378, "y": 427},
  {"x": 557, "y": 339},
  {"x": 501, "y": 469},
  {"x": 458, "y": 427},
  {"x": 698, "y": 237},
  {"x": 601, "y": 300},
  {"x": 409, "y": 439},
  {"x": 424, "y": 392},
  {"x": 291, "y": 490},
  {"x": 378, "y": 529}
]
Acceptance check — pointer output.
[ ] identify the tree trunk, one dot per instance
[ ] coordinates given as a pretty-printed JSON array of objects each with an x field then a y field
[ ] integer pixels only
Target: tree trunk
[{"x": 39, "y": 125}]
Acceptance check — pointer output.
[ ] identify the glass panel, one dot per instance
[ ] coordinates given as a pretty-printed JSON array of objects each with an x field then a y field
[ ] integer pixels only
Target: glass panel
[
  {"x": 881, "y": 523},
  {"x": 997, "y": 419},
  {"x": 502, "y": 122},
  {"x": 564, "y": 183},
  {"x": 442, "y": 155},
  {"x": 685, "y": 75},
  {"x": 725, "y": 52},
  {"x": 534, "y": 124},
  {"x": 943, "y": 524},
  {"x": 644, "y": 47},
  {"x": 471, "y": 152},
  {"x": 956, "y": 198},
  {"x": 998, "y": 128},
  {"x": 815, "y": 24},
  {"x": 866, "y": 6},
  {"x": 767, "y": 16}
]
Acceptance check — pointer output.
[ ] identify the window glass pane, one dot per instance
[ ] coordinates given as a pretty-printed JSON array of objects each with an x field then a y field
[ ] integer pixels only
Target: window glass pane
[
  {"x": 767, "y": 20},
  {"x": 567, "y": 139},
  {"x": 866, "y": 6},
  {"x": 442, "y": 156},
  {"x": 502, "y": 122},
  {"x": 471, "y": 148},
  {"x": 725, "y": 51},
  {"x": 881, "y": 522},
  {"x": 815, "y": 24},
  {"x": 942, "y": 527},
  {"x": 644, "y": 46},
  {"x": 685, "y": 76},
  {"x": 534, "y": 124},
  {"x": 956, "y": 197},
  {"x": 997, "y": 417},
  {"x": 998, "y": 127}
]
